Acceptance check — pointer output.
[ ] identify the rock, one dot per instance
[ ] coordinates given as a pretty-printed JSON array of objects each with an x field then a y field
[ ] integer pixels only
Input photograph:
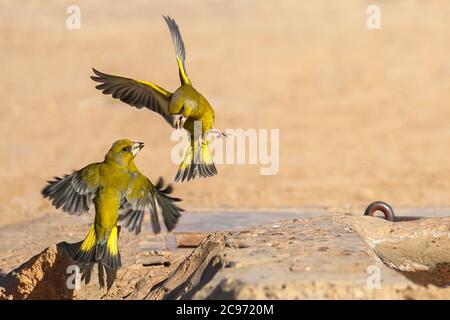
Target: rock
[
  {"x": 420, "y": 249},
  {"x": 155, "y": 261},
  {"x": 197, "y": 264},
  {"x": 190, "y": 239},
  {"x": 50, "y": 274},
  {"x": 329, "y": 257},
  {"x": 41, "y": 277}
]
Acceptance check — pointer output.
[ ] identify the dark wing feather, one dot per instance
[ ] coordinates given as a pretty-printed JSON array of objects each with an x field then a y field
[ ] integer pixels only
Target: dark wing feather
[
  {"x": 136, "y": 93},
  {"x": 131, "y": 217},
  {"x": 179, "y": 49},
  {"x": 74, "y": 193},
  {"x": 176, "y": 38},
  {"x": 142, "y": 196}
]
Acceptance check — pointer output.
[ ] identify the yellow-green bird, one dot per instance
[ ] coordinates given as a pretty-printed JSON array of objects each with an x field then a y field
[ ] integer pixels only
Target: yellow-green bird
[
  {"x": 119, "y": 192},
  {"x": 185, "y": 108}
]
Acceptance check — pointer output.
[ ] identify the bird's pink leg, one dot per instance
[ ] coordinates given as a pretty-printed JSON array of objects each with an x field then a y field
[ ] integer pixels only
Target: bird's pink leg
[{"x": 218, "y": 133}]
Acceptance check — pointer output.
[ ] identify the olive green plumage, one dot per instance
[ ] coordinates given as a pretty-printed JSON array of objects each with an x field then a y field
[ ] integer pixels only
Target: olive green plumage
[
  {"x": 181, "y": 109},
  {"x": 119, "y": 193}
]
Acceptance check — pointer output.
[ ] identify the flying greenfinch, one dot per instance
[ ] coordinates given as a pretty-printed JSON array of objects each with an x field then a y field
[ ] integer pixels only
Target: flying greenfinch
[
  {"x": 185, "y": 108},
  {"x": 119, "y": 192}
]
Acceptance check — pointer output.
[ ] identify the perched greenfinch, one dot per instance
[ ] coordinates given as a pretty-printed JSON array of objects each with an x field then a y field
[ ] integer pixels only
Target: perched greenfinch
[
  {"x": 185, "y": 108},
  {"x": 119, "y": 192}
]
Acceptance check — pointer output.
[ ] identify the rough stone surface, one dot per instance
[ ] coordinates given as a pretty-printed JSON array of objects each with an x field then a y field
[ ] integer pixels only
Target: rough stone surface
[
  {"x": 312, "y": 258},
  {"x": 420, "y": 249},
  {"x": 46, "y": 276},
  {"x": 33, "y": 241},
  {"x": 41, "y": 277},
  {"x": 326, "y": 257},
  {"x": 190, "y": 239}
]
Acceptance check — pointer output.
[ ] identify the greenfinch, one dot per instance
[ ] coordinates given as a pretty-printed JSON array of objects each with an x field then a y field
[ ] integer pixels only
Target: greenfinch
[
  {"x": 119, "y": 192},
  {"x": 185, "y": 108}
]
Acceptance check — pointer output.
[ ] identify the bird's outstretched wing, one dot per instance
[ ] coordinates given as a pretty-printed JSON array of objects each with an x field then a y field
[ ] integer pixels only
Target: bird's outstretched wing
[
  {"x": 142, "y": 195},
  {"x": 74, "y": 192},
  {"x": 136, "y": 93},
  {"x": 179, "y": 48}
]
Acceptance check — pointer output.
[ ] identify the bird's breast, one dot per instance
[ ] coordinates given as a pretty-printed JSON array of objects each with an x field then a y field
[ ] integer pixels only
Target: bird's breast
[{"x": 107, "y": 203}]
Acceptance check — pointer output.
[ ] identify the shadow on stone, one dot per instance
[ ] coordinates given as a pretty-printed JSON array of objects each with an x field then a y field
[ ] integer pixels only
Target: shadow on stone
[
  {"x": 438, "y": 276},
  {"x": 197, "y": 280}
]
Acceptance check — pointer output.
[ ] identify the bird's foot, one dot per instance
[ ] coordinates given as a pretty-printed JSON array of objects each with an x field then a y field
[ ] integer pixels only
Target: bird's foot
[
  {"x": 218, "y": 133},
  {"x": 201, "y": 141},
  {"x": 179, "y": 121}
]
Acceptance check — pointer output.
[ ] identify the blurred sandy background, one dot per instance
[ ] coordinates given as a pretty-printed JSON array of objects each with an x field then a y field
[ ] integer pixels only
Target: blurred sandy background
[{"x": 363, "y": 115}]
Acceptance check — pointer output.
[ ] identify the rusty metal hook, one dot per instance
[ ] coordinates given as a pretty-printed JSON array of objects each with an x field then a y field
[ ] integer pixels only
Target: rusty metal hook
[{"x": 380, "y": 206}]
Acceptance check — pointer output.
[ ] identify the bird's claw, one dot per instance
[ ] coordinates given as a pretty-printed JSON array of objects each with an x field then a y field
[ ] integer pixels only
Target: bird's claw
[
  {"x": 179, "y": 121},
  {"x": 201, "y": 141},
  {"x": 218, "y": 133}
]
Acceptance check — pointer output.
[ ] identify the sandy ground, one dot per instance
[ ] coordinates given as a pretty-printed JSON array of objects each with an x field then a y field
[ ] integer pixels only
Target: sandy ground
[{"x": 363, "y": 115}]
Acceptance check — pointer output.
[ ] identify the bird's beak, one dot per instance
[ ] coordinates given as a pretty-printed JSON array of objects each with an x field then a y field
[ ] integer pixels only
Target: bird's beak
[{"x": 136, "y": 147}]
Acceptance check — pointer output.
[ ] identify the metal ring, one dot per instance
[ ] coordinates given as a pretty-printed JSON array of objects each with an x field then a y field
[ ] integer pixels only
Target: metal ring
[{"x": 380, "y": 206}]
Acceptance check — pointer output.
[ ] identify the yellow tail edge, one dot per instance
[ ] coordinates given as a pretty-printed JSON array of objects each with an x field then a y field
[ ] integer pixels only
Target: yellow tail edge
[
  {"x": 105, "y": 251},
  {"x": 196, "y": 163}
]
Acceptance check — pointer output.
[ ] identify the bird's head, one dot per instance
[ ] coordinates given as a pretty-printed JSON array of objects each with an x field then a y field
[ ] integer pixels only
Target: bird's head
[
  {"x": 123, "y": 151},
  {"x": 183, "y": 101}
]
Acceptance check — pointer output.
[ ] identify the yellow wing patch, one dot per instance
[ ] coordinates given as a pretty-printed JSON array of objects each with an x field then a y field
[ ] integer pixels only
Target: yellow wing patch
[
  {"x": 163, "y": 91},
  {"x": 183, "y": 75}
]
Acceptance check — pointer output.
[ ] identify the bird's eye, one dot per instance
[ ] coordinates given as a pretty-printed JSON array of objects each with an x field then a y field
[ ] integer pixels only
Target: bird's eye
[
  {"x": 126, "y": 149},
  {"x": 182, "y": 109}
]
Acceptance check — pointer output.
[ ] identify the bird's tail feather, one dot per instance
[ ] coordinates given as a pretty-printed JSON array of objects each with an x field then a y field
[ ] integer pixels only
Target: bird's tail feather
[
  {"x": 93, "y": 250},
  {"x": 197, "y": 162}
]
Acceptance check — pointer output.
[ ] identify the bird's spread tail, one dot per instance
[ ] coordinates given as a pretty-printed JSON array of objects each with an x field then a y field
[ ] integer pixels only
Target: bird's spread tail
[
  {"x": 197, "y": 162},
  {"x": 105, "y": 251}
]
